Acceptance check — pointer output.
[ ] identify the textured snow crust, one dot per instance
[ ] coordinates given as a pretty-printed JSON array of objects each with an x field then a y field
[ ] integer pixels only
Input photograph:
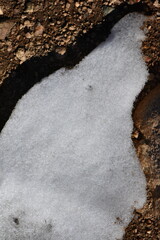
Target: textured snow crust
[{"x": 68, "y": 168}]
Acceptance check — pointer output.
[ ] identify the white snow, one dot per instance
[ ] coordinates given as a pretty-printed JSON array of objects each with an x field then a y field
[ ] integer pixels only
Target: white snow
[{"x": 68, "y": 166}]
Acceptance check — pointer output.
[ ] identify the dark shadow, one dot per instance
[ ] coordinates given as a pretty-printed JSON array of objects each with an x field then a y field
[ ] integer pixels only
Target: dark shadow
[{"x": 33, "y": 70}]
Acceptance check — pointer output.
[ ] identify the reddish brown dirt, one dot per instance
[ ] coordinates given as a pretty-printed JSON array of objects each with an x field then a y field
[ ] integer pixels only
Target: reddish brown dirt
[
  {"x": 35, "y": 27},
  {"x": 146, "y": 137}
]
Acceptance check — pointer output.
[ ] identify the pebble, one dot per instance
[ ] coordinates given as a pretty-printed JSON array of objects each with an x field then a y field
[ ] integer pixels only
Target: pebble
[
  {"x": 27, "y": 23},
  {"x": 29, "y": 8},
  {"x": 72, "y": 28},
  {"x": 1, "y": 11},
  {"x": 68, "y": 6},
  {"x": 39, "y": 30},
  {"x": 61, "y": 50},
  {"x": 77, "y": 4},
  {"x": 28, "y": 35},
  {"x": 20, "y": 54},
  {"x": 5, "y": 28}
]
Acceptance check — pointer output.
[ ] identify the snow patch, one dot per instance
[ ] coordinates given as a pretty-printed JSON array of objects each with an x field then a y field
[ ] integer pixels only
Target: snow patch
[{"x": 68, "y": 166}]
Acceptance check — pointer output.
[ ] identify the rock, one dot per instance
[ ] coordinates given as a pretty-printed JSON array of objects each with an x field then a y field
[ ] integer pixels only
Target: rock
[
  {"x": 72, "y": 28},
  {"x": 23, "y": 54},
  {"x": 5, "y": 28},
  {"x": 28, "y": 35},
  {"x": 135, "y": 134},
  {"x": 29, "y": 8},
  {"x": 1, "y": 11},
  {"x": 77, "y": 4},
  {"x": 39, "y": 30},
  {"x": 157, "y": 4},
  {"x": 61, "y": 50},
  {"x": 107, "y": 10},
  {"x": 28, "y": 24},
  {"x": 89, "y": 10},
  {"x": 68, "y": 5},
  {"x": 20, "y": 54}
]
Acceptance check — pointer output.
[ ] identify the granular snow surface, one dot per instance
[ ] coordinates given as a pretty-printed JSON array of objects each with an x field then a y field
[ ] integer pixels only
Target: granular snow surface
[{"x": 68, "y": 166}]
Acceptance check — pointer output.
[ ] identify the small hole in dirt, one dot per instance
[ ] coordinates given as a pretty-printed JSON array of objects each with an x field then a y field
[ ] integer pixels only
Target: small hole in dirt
[{"x": 16, "y": 221}]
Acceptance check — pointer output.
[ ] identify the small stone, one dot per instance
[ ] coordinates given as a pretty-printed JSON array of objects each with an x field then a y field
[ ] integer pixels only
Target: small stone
[
  {"x": 21, "y": 26},
  {"x": 47, "y": 46},
  {"x": 20, "y": 54},
  {"x": 68, "y": 6},
  {"x": 89, "y": 10},
  {"x": 5, "y": 28},
  {"x": 135, "y": 134},
  {"x": 28, "y": 35},
  {"x": 8, "y": 43},
  {"x": 72, "y": 28},
  {"x": 28, "y": 24},
  {"x": 77, "y": 4},
  {"x": 107, "y": 10},
  {"x": 39, "y": 30},
  {"x": 147, "y": 59},
  {"x": 61, "y": 50},
  {"x": 156, "y": 4},
  {"x": 18, "y": 37},
  {"x": 9, "y": 49},
  {"x": 29, "y": 8},
  {"x": 116, "y": 2},
  {"x": 84, "y": 9},
  {"x": 23, "y": 16},
  {"x": 1, "y": 11}
]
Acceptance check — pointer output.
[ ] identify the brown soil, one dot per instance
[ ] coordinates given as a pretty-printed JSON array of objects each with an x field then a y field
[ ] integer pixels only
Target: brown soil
[
  {"x": 146, "y": 137},
  {"x": 35, "y": 27},
  {"x": 63, "y": 32}
]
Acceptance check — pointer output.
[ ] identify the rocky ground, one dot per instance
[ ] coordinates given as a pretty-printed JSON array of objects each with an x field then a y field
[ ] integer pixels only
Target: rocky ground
[
  {"x": 64, "y": 32},
  {"x": 146, "y": 138},
  {"x": 35, "y": 27}
]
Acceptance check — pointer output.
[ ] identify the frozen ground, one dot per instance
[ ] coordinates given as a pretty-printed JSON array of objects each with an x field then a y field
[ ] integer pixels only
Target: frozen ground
[{"x": 68, "y": 166}]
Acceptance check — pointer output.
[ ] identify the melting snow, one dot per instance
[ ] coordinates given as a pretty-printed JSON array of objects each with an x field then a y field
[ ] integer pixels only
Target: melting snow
[{"x": 68, "y": 166}]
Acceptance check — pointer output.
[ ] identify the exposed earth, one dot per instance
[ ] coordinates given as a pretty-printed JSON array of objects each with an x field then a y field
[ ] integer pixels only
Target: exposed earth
[
  {"x": 35, "y": 27},
  {"x": 64, "y": 32}
]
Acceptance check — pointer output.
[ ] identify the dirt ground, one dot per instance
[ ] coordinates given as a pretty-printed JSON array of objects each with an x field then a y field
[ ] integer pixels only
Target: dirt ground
[
  {"x": 38, "y": 37},
  {"x": 146, "y": 137},
  {"x": 35, "y": 27}
]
